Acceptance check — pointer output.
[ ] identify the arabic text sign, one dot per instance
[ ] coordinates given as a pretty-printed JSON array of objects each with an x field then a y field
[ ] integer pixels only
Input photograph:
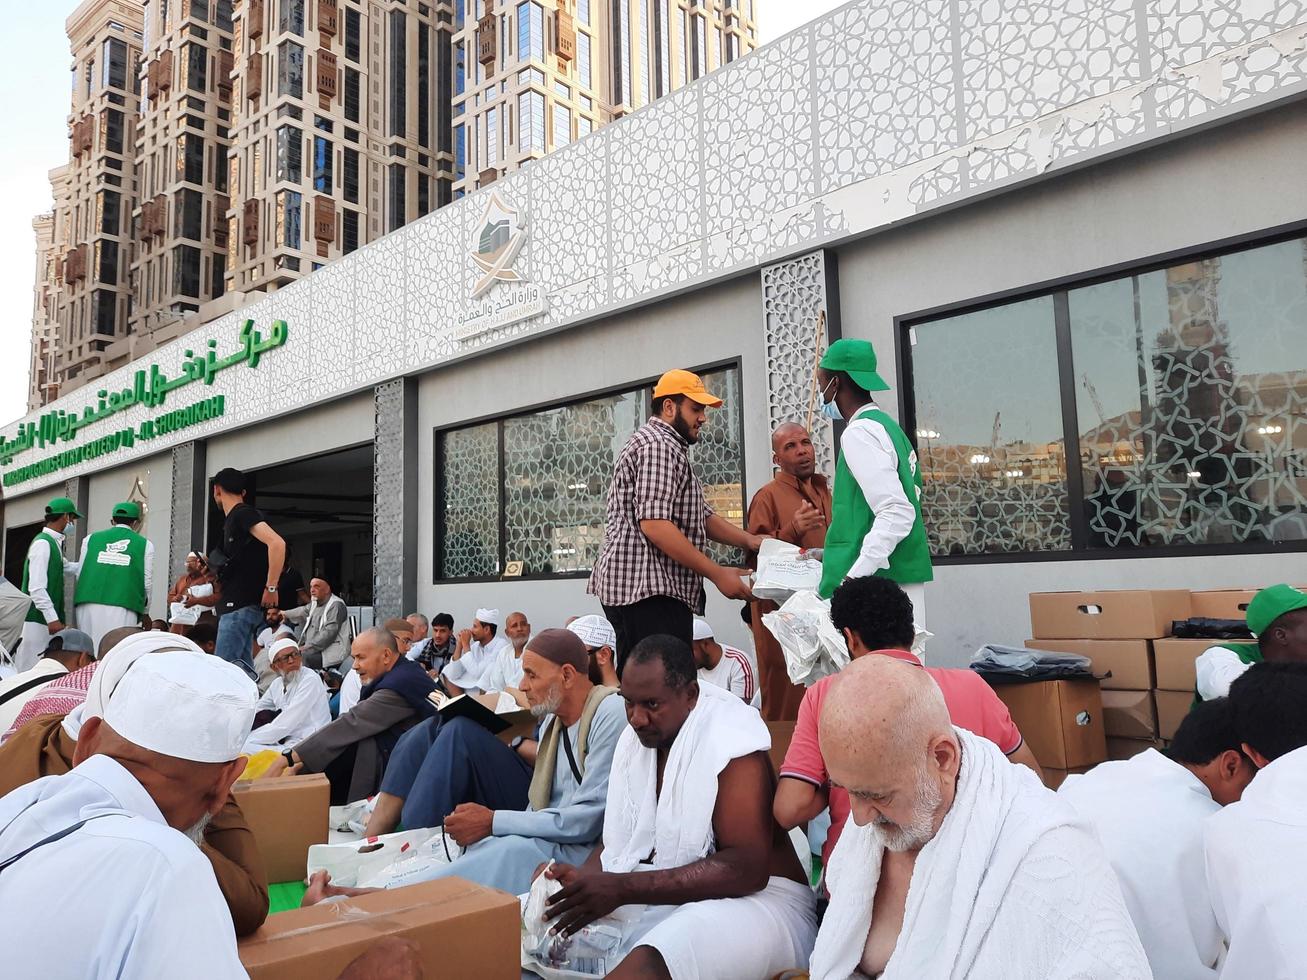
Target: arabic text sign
[
  {"x": 508, "y": 304},
  {"x": 149, "y": 388}
]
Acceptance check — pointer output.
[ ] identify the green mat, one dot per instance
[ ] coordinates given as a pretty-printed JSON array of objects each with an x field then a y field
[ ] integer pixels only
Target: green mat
[{"x": 285, "y": 896}]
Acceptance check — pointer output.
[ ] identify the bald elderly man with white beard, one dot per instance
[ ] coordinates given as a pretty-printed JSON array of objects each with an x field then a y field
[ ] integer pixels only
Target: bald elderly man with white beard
[{"x": 959, "y": 863}]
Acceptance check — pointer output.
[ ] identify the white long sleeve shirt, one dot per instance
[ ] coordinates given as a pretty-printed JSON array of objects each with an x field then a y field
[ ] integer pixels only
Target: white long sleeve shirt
[
  {"x": 469, "y": 671},
  {"x": 149, "y": 564},
  {"x": 871, "y": 457},
  {"x": 138, "y": 898},
  {"x": 1149, "y": 813},
  {"x": 303, "y": 706},
  {"x": 1256, "y": 853},
  {"x": 38, "y": 560}
]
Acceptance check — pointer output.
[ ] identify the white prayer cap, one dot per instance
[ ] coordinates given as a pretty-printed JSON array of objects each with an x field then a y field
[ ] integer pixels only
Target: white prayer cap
[
  {"x": 594, "y": 631},
  {"x": 489, "y": 617},
  {"x": 188, "y": 706},
  {"x": 125, "y": 653},
  {"x": 279, "y": 645},
  {"x": 702, "y": 631}
]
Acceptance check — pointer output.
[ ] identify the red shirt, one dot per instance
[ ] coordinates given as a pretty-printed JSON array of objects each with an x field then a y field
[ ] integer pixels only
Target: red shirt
[{"x": 972, "y": 704}]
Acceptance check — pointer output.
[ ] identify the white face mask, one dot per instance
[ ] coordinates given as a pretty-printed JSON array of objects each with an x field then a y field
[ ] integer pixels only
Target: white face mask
[{"x": 828, "y": 408}]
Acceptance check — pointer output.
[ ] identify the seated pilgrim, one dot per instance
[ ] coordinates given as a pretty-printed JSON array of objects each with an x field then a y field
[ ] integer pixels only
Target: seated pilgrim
[
  {"x": 439, "y": 765},
  {"x": 479, "y": 650},
  {"x": 47, "y": 744},
  {"x": 1014, "y": 884},
  {"x": 564, "y": 790},
  {"x": 352, "y": 751},
  {"x": 712, "y": 885},
  {"x": 294, "y": 705}
]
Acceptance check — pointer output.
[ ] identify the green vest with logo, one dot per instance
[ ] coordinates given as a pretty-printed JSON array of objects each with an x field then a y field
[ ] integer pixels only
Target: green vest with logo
[
  {"x": 852, "y": 519},
  {"x": 113, "y": 572},
  {"x": 54, "y": 580},
  {"x": 1249, "y": 653}
]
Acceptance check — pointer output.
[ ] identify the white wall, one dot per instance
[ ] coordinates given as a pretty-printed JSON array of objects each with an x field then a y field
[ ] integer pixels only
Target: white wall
[
  {"x": 335, "y": 425},
  {"x": 1238, "y": 179}
]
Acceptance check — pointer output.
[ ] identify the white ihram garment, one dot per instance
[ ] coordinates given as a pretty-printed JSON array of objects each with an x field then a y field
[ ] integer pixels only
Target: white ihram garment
[{"x": 1013, "y": 886}]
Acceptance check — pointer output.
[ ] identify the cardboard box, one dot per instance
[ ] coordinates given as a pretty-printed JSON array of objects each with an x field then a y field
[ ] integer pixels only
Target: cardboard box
[
  {"x": 1175, "y": 659},
  {"x": 1129, "y": 714},
  {"x": 286, "y": 814},
  {"x": 1172, "y": 706},
  {"x": 1122, "y": 664},
  {"x": 463, "y": 930},
  {"x": 1128, "y": 615},
  {"x": 1053, "y": 778},
  {"x": 1061, "y": 721},
  {"x": 1120, "y": 749},
  {"x": 781, "y": 734},
  {"x": 1222, "y": 604}
]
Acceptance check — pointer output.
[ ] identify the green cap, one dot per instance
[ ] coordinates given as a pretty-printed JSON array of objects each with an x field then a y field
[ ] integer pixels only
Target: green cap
[
  {"x": 127, "y": 509},
  {"x": 857, "y": 359},
  {"x": 1272, "y": 603},
  {"x": 61, "y": 505}
]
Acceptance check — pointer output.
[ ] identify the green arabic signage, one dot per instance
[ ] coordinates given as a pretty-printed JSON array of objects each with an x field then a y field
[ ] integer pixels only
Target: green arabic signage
[
  {"x": 149, "y": 388},
  {"x": 160, "y": 425}
]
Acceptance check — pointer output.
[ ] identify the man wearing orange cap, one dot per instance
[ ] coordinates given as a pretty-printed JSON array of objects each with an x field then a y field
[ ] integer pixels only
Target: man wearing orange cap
[{"x": 649, "y": 576}]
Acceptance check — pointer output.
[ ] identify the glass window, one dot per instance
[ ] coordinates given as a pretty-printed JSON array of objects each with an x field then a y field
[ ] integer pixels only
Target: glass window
[
  {"x": 110, "y": 207},
  {"x": 322, "y": 164},
  {"x": 562, "y": 124},
  {"x": 352, "y": 100},
  {"x": 583, "y": 126},
  {"x": 460, "y": 69},
  {"x": 989, "y": 431},
  {"x": 424, "y": 85},
  {"x": 106, "y": 261},
  {"x": 530, "y": 32},
  {"x": 460, "y": 152},
  {"x": 396, "y": 207},
  {"x": 290, "y": 154},
  {"x": 492, "y": 134},
  {"x": 353, "y": 34},
  {"x": 553, "y": 473},
  {"x": 106, "y": 312},
  {"x": 622, "y": 69},
  {"x": 186, "y": 270},
  {"x": 113, "y": 130},
  {"x": 222, "y": 15},
  {"x": 583, "y": 11},
  {"x": 349, "y": 231},
  {"x": 291, "y": 20},
  {"x": 1191, "y": 388},
  {"x": 200, "y": 9},
  {"x": 531, "y": 118},
  {"x": 289, "y": 208},
  {"x": 290, "y": 69},
  {"x": 350, "y": 178},
  {"x": 398, "y": 72},
  {"x": 189, "y": 217},
  {"x": 583, "y": 59},
  {"x": 191, "y": 159},
  {"x": 197, "y": 65},
  {"x": 114, "y": 64}
]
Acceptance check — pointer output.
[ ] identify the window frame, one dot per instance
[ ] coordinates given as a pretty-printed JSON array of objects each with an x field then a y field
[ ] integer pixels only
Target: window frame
[
  {"x": 498, "y": 420},
  {"x": 1058, "y": 289}
]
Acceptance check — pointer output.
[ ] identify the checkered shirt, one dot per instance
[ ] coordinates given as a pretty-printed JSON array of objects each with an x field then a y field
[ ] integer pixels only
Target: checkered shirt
[{"x": 652, "y": 481}]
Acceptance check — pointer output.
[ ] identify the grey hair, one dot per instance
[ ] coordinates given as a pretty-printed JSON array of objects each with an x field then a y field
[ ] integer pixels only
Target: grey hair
[
  {"x": 426, "y": 623},
  {"x": 382, "y": 637}
]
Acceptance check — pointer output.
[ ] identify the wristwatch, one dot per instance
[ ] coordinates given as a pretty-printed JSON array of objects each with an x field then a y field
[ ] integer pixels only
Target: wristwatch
[
  {"x": 269, "y": 588},
  {"x": 289, "y": 756},
  {"x": 517, "y": 742}
]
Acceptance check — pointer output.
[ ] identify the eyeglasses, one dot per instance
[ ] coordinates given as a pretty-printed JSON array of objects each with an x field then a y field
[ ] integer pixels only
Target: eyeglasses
[{"x": 285, "y": 658}]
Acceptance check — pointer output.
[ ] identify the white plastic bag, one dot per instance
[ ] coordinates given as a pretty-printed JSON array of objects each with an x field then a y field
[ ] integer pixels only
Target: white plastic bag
[
  {"x": 415, "y": 863},
  {"x": 782, "y": 572},
  {"x": 813, "y": 647},
  {"x": 592, "y": 951},
  {"x": 358, "y": 860},
  {"x": 353, "y": 816}
]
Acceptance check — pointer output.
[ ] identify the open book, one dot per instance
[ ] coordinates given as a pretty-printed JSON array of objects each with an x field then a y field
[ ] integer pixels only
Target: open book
[{"x": 498, "y": 713}]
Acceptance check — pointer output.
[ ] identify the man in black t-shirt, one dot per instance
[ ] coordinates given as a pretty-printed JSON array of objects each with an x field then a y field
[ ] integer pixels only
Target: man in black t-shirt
[
  {"x": 291, "y": 590},
  {"x": 256, "y": 555}
]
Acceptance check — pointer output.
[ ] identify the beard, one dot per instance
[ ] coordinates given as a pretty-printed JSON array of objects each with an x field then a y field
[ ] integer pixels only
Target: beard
[
  {"x": 550, "y": 705},
  {"x": 595, "y": 672},
  {"x": 196, "y": 830},
  {"x": 683, "y": 429},
  {"x": 917, "y": 832}
]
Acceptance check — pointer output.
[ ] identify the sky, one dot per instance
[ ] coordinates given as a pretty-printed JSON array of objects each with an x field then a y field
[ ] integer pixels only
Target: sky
[{"x": 34, "y": 91}]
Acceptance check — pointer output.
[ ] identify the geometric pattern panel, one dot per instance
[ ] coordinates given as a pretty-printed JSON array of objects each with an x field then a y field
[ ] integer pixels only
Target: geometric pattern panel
[
  {"x": 793, "y": 295},
  {"x": 181, "y": 532},
  {"x": 879, "y": 111},
  {"x": 390, "y": 524},
  {"x": 469, "y": 503}
]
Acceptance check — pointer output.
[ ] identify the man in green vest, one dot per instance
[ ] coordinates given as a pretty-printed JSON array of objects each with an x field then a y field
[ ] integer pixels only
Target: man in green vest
[
  {"x": 1277, "y": 616},
  {"x": 876, "y": 526},
  {"x": 117, "y": 572},
  {"x": 43, "y": 580}
]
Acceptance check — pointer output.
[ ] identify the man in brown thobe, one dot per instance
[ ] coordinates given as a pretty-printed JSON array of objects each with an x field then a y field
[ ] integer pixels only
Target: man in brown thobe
[{"x": 795, "y": 507}]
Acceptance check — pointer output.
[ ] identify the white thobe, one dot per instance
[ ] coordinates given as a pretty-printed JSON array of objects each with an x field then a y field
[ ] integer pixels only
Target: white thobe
[
  {"x": 1149, "y": 814},
  {"x": 36, "y": 636},
  {"x": 46, "y": 667},
  {"x": 1256, "y": 864},
  {"x": 138, "y": 898},
  {"x": 503, "y": 671},
  {"x": 351, "y": 689},
  {"x": 469, "y": 669},
  {"x": 303, "y": 706}
]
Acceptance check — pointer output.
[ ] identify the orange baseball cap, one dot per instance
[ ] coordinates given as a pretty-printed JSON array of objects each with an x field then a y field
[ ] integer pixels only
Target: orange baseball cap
[{"x": 686, "y": 383}]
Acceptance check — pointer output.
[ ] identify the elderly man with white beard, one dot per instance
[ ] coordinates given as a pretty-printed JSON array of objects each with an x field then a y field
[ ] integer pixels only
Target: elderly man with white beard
[{"x": 960, "y": 864}]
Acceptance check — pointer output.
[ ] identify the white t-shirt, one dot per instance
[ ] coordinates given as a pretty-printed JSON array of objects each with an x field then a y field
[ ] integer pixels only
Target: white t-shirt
[{"x": 736, "y": 673}]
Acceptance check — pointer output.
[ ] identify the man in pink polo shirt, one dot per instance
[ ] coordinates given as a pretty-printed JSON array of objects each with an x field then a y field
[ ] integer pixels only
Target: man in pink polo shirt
[{"x": 875, "y": 616}]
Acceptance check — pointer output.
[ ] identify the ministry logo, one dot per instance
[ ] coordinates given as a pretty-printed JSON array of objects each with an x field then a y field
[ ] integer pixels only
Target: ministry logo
[{"x": 495, "y": 245}]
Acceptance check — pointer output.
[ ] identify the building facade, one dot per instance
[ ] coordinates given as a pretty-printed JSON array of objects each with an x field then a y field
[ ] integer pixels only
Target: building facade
[
  {"x": 182, "y": 141},
  {"x": 45, "y": 327},
  {"x": 340, "y": 131},
  {"x": 95, "y": 193},
  {"x": 533, "y": 75}
]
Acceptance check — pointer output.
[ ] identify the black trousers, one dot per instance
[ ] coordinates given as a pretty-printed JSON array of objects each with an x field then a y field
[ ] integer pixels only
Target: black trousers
[{"x": 649, "y": 617}]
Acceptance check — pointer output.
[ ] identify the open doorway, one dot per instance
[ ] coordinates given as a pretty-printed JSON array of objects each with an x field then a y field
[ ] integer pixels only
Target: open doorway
[{"x": 17, "y": 541}]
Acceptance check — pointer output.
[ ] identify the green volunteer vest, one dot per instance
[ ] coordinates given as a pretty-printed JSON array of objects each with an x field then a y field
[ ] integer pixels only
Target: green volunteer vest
[
  {"x": 54, "y": 580},
  {"x": 851, "y": 518},
  {"x": 113, "y": 573},
  {"x": 1249, "y": 653}
]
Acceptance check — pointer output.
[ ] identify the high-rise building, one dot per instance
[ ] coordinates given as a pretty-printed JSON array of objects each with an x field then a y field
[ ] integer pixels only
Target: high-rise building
[
  {"x": 180, "y": 222},
  {"x": 340, "y": 132},
  {"x": 41, "y": 385},
  {"x": 94, "y": 193},
  {"x": 533, "y": 75}
]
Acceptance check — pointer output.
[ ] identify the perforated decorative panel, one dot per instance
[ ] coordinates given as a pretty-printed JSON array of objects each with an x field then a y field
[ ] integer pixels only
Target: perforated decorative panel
[{"x": 469, "y": 500}]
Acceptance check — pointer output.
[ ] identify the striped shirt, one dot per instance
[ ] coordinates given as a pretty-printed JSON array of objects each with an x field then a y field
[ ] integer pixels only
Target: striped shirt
[
  {"x": 736, "y": 673},
  {"x": 652, "y": 481}
]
